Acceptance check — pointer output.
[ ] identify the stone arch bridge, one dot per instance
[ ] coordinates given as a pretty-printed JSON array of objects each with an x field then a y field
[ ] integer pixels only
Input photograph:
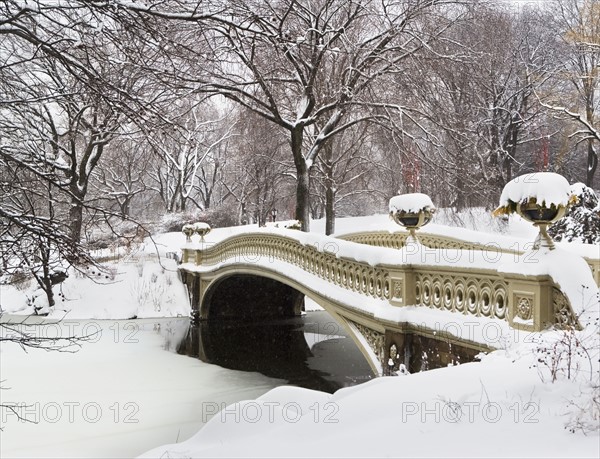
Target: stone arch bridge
[{"x": 399, "y": 301}]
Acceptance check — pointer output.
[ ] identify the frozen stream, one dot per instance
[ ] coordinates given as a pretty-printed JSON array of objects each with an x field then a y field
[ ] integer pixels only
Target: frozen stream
[{"x": 127, "y": 390}]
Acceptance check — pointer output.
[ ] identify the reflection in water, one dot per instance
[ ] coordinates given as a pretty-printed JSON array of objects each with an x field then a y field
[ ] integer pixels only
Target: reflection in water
[
  {"x": 311, "y": 351},
  {"x": 173, "y": 332}
]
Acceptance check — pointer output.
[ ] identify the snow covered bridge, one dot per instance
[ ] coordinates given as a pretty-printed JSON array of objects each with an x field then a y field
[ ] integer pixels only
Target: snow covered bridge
[{"x": 397, "y": 299}]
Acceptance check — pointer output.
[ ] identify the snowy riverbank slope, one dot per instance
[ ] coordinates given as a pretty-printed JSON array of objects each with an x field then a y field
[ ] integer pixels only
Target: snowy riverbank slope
[{"x": 496, "y": 408}]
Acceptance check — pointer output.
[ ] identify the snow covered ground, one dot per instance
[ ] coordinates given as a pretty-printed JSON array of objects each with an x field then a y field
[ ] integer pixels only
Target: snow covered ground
[
  {"x": 496, "y": 408},
  {"x": 505, "y": 405},
  {"x": 120, "y": 393},
  {"x": 142, "y": 283}
]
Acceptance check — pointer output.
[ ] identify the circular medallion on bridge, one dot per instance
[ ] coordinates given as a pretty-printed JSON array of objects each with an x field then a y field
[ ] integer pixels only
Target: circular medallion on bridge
[{"x": 524, "y": 309}]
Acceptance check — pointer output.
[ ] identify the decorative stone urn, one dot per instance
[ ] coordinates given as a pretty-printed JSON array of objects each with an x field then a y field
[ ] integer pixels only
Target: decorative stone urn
[
  {"x": 188, "y": 230},
  {"x": 200, "y": 228},
  {"x": 540, "y": 198},
  {"x": 411, "y": 211}
]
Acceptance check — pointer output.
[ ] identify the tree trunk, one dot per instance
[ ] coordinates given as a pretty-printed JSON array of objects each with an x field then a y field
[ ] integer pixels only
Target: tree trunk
[
  {"x": 46, "y": 281},
  {"x": 182, "y": 200},
  {"x": 76, "y": 216},
  {"x": 329, "y": 211},
  {"x": 302, "y": 180},
  {"x": 259, "y": 213},
  {"x": 125, "y": 206},
  {"x": 329, "y": 190},
  {"x": 461, "y": 189},
  {"x": 592, "y": 164},
  {"x": 303, "y": 198}
]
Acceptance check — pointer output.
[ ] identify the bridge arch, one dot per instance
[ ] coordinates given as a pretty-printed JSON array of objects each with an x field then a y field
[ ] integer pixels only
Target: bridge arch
[
  {"x": 272, "y": 283},
  {"x": 242, "y": 295},
  {"x": 214, "y": 284},
  {"x": 222, "y": 293},
  {"x": 373, "y": 337}
]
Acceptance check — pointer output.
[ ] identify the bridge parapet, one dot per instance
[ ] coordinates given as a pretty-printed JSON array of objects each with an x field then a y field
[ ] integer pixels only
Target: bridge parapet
[
  {"x": 397, "y": 240},
  {"x": 463, "y": 286}
]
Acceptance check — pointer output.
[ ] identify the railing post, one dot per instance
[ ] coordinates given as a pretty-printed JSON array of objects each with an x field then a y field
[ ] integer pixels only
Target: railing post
[
  {"x": 530, "y": 303},
  {"x": 402, "y": 288}
]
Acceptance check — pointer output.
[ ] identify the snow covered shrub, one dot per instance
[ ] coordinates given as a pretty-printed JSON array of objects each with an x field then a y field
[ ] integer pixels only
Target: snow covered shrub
[
  {"x": 582, "y": 224},
  {"x": 574, "y": 355},
  {"x": 564, "y": 357},
  {"x": 216, "y": 218},
  {"x": 157, "y": 293},
  {"x": 475, "y": 218},
  {"x": 122, "y": 232},
  {"x": 175, "y": 221},
  {"x": 148, "y": 291},
  {"x": 289, "y": 224},
  {"x": 585, "y": 409},
  {"x": 19, "y": 279},
  {"x": 140, "y": 292},
  {"x": 111, "y": 272},
  {"x": 220, "y": 217}
]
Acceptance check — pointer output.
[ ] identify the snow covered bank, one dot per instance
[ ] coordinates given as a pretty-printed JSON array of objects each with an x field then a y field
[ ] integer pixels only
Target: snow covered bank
[
  {"x": 496, "y": 408},
  {"x": 142, "y": 287},
  {"x": 119, "y": 394},
  {"x": 141, "y": 282}
]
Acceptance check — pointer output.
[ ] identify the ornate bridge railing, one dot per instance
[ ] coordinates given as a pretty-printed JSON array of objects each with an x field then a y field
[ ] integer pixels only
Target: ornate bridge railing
[
  {"x": 397, "y": 240},
  {"x": 456, "y": 284}
]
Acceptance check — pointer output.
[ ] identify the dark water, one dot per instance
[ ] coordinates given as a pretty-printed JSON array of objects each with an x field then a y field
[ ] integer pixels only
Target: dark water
[{"x": 312, "y": 351}]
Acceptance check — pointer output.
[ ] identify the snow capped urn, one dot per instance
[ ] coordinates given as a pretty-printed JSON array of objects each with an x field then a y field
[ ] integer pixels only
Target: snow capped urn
[
  {"x": 188, "y": 230},
  {"x": 540, "y": 198},
  {"x": 200, "y": 228},
  {"x": 411, "y": 210}
]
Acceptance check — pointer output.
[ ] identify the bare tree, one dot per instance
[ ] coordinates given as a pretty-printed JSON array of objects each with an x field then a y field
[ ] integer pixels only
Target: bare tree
[
  {"x": 123, "y": 174},
  {"x": 474, "y": 91},
  {"x": 67, "y": 90},
  {"x": 346, "y": 164},
  {"x": 63, "y": 81},
  {"x": 34, "y": 240},
  {"x": 185, "y": 150},
  {"x": 269, "y": 57},
  {"x": 578, "y": 25},
  {"x": 258, "y": 170}
]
